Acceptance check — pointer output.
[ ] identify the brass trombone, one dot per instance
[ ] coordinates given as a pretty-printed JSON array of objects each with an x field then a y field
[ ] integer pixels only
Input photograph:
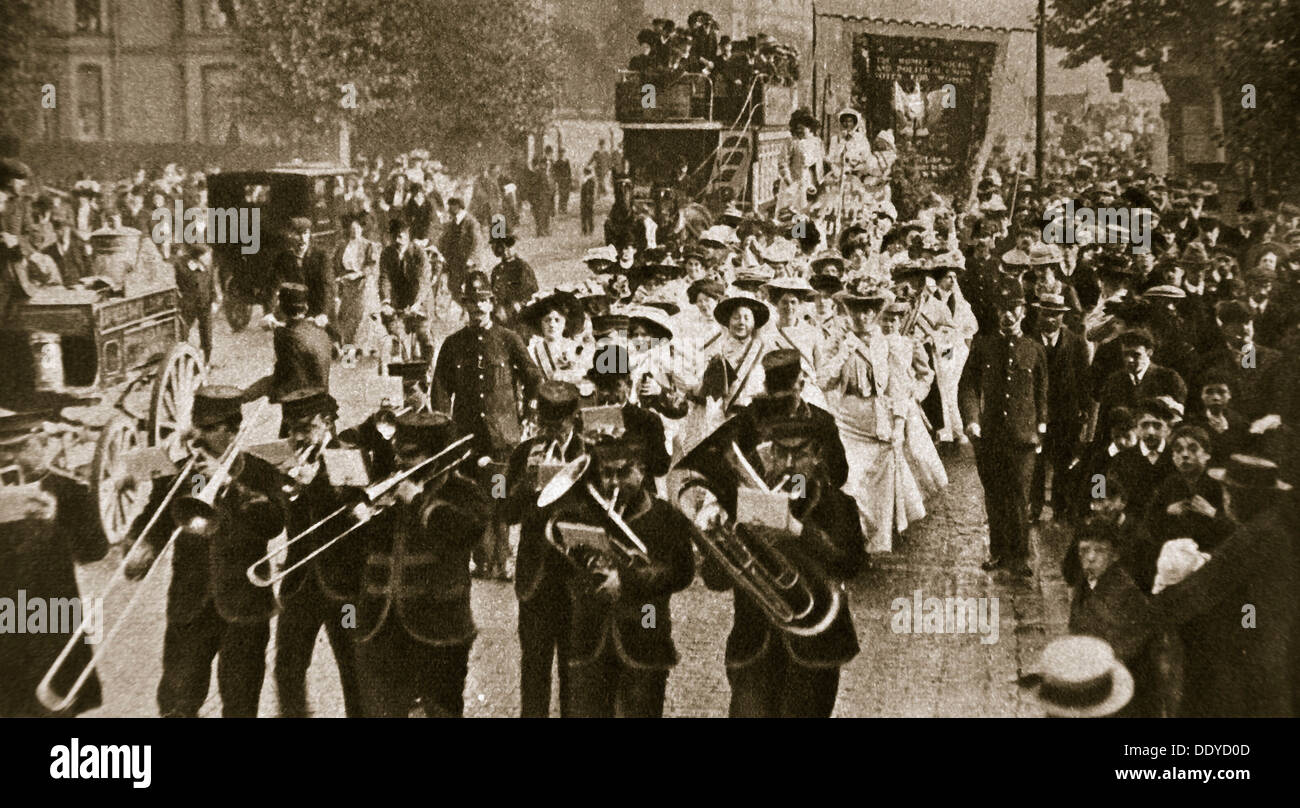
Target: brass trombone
[
  {"x": 625, "y": 548},
  {"x": 799, "y": 601},
  {"x": 369, "y": 496},
  {"x": 45, "y": 692}
]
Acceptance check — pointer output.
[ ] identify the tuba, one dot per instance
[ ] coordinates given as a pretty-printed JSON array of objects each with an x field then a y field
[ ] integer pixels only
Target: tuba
[{"x": 795, "y": 595}]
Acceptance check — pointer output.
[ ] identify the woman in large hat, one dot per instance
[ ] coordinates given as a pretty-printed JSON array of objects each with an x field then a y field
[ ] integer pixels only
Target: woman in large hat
[
  {"x": 868, "y": 405},
  {"x": 734, "y": 373},
  {"x": 556, "y": 320}
]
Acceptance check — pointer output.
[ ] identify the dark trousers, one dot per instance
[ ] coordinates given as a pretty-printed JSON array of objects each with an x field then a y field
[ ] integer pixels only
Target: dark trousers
[
  {"x": 1005, "y": 470},
  {"x": 607, "y": 687},
  {"x": 544, "y": 636},
  {"x": 588, "y": 220},
  {"x": 776, "y": 686},
  {"x": 542, "y": 218},
  {"x": 564, "y": 200},
  {"x": 188, "y": 650},
  {"x": 203, "y": 314},
  {"x": 396, "y": 670},
  {"x": 1058, "y": 450},
  {"x": 295, "y": 639}
]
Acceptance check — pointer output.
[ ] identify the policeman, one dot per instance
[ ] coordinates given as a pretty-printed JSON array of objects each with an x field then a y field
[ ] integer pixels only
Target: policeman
[
  {"x": 542, "y": 573},
  {"x": 1003, "y": 400},
  {"x": 483, "y": 376},
  {"x": 513, "y": 280},
  {"x": 212, "y": 609}
]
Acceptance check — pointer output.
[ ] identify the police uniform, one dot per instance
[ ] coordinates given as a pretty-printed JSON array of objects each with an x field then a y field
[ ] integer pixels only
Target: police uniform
[
  {"x": 541, "y": 573},
  {"x": 415, "y": 626},
  {"x": 513, "y": 283},
  {"x": 1003, "y": 390}
]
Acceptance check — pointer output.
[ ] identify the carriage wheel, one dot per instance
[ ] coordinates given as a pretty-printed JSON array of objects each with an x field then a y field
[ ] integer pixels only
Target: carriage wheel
[
  {"x": 170, "y": 407},
  {"x": 119, "y": 497}
]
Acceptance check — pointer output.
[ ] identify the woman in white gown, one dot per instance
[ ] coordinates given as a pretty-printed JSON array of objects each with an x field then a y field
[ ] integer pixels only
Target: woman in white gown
[
  {"x": 951, "y": 349},
  {"x": 848, "y": 162},
  {"x": 865, "y": 399},
  {"x": 801, "y": 172},
  {"x": 910, "y": 371}
]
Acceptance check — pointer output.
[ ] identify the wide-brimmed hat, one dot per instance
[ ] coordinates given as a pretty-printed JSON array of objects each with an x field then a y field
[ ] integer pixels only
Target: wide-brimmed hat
[
  {"x": 725, "y": 308},
  {"x": 1079, "y": 677},
  {"x": 785, "y": 285},
  {"x": 1050, "y": 302},
  {"x": 1165, "y": 292},
  {"x": 732, "y": 216},
  {"x": 566, "y": 303},
  {"x": 601, "y": 257},
  {"x": 865, "y": 291},
  {"x": 1245, "y": 471},
  {"x": 1015, "y": 258},
  {"x": 503, "y": 240},
  {"x": 1045, "y": 254},
  {"x": 653, "y": 318},
  {"x": 827, "y": 258},
  {"x": 780, "y": 251},
  {"x": 719, "y": 236}
]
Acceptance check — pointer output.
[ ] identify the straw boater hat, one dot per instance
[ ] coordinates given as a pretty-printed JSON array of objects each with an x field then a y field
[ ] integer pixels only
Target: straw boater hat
[
  {"x": 654, "y": 319},
  {"x": 723, "y": 311},
  {"x": 1045, "y": 255},
  {"x": 718, "y": 237},
  {"x": 789, "y": 285},
  {"x": 827, "y": 258},
  {"x": 732, "y": 216},
  {"x": 1165, "y": 292},
  {"x": 1050, "y": 302},
  {"x": 1015, "y": 258},
  {"x": 1079, "y": 677},
  {"x": 1255, "y": 473},
  {"x": 780, "y": 251}
]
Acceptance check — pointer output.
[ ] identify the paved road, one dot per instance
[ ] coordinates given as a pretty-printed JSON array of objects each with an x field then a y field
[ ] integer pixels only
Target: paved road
[{"x": 897, "y": 674}]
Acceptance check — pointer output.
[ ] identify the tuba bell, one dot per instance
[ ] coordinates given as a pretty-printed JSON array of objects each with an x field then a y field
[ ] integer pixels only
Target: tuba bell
[{"x": 794, "y": 594}]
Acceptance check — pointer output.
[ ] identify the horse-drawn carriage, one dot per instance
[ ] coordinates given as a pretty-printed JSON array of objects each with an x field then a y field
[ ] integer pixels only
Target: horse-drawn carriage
[
  {"x": 278, "y": 195},
  {"x": 105, "y": 367}
]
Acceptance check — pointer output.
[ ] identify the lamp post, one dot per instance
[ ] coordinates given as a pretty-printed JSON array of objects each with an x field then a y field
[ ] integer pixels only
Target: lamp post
[{"x": 1040, "y": 115}]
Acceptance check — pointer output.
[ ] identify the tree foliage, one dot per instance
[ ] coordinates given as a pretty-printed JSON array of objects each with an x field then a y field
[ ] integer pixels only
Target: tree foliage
[
  {"x": 25, "y": 64},
  {"x": 1235, "y": 42},
  {"x": 432, "y": 72}
]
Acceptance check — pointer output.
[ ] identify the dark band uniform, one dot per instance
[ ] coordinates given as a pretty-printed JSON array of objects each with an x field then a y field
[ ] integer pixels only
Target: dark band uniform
[
  {"x": 415, "y": 626},
  {"x": 622, "y": 651},
  {"x": 541, "y": 573}
]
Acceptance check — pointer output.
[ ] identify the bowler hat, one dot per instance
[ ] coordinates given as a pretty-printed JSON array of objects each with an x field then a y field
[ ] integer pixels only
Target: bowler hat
[
  {"x": 1050, "y": 302},
  {"x": 214, "y": 404},
  {"x": 1245, "y": 471}
]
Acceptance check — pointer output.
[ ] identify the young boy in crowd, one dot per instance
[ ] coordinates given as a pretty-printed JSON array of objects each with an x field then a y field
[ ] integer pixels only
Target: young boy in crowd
[
  {"x": 1186, "y": 504},
  {"x": 1096, "y": 464},
  {"x": 1145, "y": 465},
  {"x": 1227, "y": 428}
]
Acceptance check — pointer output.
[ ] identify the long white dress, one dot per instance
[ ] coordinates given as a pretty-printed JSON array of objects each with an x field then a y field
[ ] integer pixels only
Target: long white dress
[
  {"x": 951, "y": 349},
  {"x": 864, "y": 399},
  {"x": 909, "y": 368}
]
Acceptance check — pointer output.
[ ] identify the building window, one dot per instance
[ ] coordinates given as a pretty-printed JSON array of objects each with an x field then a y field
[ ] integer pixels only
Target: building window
[
  {"x": 220, "y": 15},
  {"x": 219, "y": 104},
  {"x": 90, "y": 102},
  {"x": 90, "y": 17}
]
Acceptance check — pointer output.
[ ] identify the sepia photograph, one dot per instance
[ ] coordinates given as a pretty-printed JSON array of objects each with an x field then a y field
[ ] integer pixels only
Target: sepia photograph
[{"x": 650, "y": 359}]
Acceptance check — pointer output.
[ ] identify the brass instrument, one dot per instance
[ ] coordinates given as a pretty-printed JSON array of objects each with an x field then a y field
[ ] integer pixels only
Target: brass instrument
[
  {"x": 800, "y": 601},
  {"x": 369, "y": 496},
  {"x": 45, "y": 692},
  {"x": 623, "y": 548}
]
